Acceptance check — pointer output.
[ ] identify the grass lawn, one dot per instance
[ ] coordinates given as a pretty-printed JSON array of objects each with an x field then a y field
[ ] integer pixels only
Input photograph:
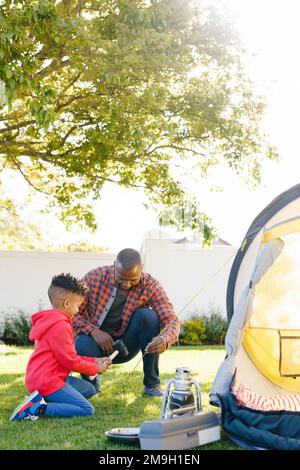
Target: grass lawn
[{"x": 121, "y": 403}]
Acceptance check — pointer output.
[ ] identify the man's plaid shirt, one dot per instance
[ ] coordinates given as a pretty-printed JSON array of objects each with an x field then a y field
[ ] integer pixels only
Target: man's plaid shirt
[{"x": 148, "y": 293}]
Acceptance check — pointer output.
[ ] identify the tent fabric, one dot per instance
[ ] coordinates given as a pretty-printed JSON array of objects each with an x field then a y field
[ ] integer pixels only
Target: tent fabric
[
  {"x": 275, "y": 355},
  {"x": 256, "y": 226},
  {"x": 281, "y": 229},
  {"x": 263, "y": 338},
  {"x": 247, "y": 374},
  {"x": 243, "y": 313}
]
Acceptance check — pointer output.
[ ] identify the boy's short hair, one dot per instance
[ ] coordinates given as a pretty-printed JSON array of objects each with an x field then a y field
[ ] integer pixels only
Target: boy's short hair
[{"x": 66, "y": 283}]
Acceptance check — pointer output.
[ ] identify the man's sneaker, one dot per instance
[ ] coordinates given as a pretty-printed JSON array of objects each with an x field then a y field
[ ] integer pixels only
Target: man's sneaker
[
  {"x": 155, "y": 391},
  {"x": 29, "y": 408}
]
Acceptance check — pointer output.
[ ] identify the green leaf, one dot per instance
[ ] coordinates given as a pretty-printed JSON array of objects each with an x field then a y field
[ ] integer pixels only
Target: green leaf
[{"x": 8, "y": 73}]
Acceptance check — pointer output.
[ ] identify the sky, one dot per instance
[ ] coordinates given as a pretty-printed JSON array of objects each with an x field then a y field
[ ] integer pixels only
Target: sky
[{"x": 269, "y": 30}]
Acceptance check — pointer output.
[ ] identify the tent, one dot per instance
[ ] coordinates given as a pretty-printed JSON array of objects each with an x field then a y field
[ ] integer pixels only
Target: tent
[{"x": 263, "y": 338}]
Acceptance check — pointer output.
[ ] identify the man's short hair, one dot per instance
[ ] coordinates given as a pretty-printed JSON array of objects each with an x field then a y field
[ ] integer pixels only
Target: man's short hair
[
  {"x": 64, "y": 283},
  {"x": 129, "y": 258}
]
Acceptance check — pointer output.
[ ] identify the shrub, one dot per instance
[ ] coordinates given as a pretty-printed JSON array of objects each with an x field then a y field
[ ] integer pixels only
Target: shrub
[
  {"x": 204, "y": 328},
  {"x": 16, "y": 329},
  {"x": 215, "y": 328},
  {"x": 192, "y": 332}
]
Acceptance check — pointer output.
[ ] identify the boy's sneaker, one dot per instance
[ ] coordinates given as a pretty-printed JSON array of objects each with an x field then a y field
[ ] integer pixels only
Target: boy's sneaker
[
  {"x": 155, "y": 391},
  {"x": 94, "y": 381},
  {"x": 29, "y": 408}
]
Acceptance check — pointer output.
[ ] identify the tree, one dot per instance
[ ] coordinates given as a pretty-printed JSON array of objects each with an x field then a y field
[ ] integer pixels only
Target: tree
[
  {"x": 83, "y": 246},
  {"x": 189, "y": 216},
  {"x": 16, "y": 233},
  {"x": 119, "y": 90}
]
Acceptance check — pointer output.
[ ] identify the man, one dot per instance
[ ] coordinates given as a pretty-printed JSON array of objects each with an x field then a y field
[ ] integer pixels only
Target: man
[{"x": 124, "y": 302}]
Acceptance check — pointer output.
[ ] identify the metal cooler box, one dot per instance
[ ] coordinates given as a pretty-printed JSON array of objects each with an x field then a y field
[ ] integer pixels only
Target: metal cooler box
[{"x": 180, "y": 432}]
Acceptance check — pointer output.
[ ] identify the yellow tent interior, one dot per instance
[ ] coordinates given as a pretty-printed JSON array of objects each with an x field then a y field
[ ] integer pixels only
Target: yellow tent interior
[{"x": 272, "y": 337}]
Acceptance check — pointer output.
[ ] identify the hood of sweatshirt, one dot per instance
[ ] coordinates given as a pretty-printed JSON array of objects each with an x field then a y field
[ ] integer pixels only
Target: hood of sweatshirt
[{"x": 43, "y": 321}]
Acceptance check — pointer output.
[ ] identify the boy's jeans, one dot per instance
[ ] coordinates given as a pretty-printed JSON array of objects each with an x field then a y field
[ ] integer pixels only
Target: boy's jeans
[{"x": 71, "y": 400}]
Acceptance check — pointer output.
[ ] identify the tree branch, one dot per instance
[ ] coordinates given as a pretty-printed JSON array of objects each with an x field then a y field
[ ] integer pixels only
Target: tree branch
[
  {"x": 79, "y": 7},
  {"x": 16, "y": 126},
  {"x": 52, "y": 67},
  {"x": 175, "y": 147},
  {"x": 72, "y": 98},
  {"x": 27, "y": 179},
  {"x": 131, "y": 185},
  {"x": 29, "y": 151},
  {"x": 66, "y": 136},
  {"x": 23, "y": 144},
  {"x": 72, "y": 82}
]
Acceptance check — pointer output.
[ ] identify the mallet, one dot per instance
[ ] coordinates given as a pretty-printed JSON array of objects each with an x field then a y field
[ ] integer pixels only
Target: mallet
[{"x": 120, "y": 347}]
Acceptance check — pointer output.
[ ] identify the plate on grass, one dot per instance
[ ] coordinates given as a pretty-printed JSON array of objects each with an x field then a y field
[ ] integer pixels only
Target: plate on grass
[{"x": 124, "y": 435}]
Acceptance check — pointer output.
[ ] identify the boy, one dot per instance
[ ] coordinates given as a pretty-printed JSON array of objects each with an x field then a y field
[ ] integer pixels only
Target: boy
[{"x": 53, "y": 392}]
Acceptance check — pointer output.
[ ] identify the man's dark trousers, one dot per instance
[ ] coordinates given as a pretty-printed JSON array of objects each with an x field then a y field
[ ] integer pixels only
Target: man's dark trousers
[{"x": 143, "y": 326}]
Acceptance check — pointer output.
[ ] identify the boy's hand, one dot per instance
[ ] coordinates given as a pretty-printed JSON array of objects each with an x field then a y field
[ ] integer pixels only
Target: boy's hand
[{"x": 103, "y": 363}]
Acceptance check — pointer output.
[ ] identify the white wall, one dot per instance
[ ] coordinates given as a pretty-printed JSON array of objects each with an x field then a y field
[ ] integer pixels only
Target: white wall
[
  {"x": 183, "y": 270},
  {"x": 26, "y": 276}
]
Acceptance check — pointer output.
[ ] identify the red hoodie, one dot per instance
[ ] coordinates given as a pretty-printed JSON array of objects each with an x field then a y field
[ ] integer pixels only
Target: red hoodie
[{"x": 54, "y": 355}]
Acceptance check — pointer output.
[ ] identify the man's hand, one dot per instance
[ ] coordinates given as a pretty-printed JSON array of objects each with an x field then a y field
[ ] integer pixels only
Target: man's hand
[
  {"x": 157, "y": 346},
  {"x": 103, "y": 363},
  {"x": 104, "y": 340}
]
